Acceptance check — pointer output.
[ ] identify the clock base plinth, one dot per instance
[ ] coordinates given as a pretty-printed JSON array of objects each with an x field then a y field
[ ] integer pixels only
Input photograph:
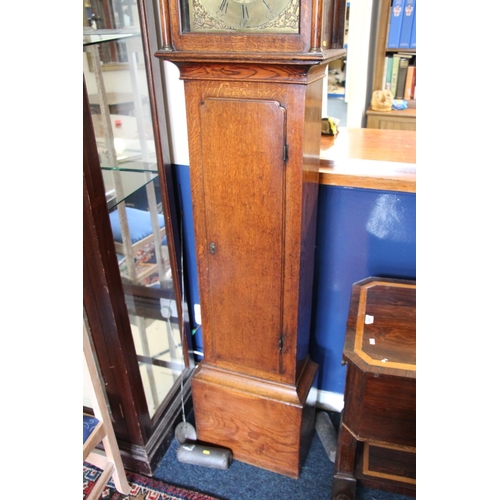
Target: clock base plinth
[{"x": 265, "y": 424}]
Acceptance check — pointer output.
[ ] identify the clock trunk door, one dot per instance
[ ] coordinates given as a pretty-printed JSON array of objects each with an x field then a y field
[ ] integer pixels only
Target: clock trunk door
[{"x": 243, "y": 171}]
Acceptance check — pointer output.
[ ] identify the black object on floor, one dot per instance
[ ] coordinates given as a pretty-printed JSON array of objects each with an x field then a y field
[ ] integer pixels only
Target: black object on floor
[{"x": 246, "y": 482}]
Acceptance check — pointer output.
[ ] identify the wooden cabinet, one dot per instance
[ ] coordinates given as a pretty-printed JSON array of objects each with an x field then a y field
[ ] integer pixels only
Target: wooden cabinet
[
  {"x": 396, "y": 119},
  {"x": 132, "y": 280},
  {"x": 377, "y": 435}
]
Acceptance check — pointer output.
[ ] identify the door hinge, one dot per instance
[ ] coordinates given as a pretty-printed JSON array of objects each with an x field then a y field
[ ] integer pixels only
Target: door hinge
[
  {"x": 285, "y": 153},
  {"x": 280, "y": 342}
]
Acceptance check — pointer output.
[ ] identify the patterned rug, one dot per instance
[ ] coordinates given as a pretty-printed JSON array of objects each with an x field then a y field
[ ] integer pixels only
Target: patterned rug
[{"x": 142, "y": 488}]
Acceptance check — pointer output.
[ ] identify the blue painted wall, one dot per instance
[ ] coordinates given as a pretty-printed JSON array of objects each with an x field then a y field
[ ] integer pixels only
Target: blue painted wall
[
  {"x": 181, "y": 173},
  {"x": 360, "y": 233}
]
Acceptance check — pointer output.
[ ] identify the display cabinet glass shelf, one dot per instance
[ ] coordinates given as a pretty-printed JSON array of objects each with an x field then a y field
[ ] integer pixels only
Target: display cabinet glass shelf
[{"x": 133, "y": 283}]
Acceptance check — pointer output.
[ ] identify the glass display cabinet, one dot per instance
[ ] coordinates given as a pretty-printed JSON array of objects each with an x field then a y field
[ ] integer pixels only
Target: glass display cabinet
[{"x": 133, "y": 280}]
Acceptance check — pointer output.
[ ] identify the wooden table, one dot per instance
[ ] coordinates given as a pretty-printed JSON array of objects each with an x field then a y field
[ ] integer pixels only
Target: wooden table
[
  {"x": 370, "y": 159},
  {"x": 377, "y": 435}
]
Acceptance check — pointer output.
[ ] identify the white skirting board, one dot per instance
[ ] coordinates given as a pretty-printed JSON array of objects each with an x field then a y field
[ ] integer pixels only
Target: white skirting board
[{"x": 330, "y": 401}]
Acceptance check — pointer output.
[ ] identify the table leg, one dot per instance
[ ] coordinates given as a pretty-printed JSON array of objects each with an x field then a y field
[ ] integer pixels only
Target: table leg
[{"x": 344, "y": 482}]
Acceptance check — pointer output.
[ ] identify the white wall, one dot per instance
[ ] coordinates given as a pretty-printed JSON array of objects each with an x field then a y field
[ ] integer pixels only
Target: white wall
[
  {"x": 177, "y": 122},
  {"x": 358, "y": 60}
]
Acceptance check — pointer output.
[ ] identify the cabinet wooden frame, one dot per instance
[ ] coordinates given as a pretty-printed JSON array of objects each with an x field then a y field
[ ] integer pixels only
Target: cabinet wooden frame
[{"x": 142, "y": 440}]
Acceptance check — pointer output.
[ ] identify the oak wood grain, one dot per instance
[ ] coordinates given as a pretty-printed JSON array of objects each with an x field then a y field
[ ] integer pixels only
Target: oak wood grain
[
  {"x": 253, "y": 102},
  {"x": 254, "y": 140},
  {"x": 265, "y": 424}
]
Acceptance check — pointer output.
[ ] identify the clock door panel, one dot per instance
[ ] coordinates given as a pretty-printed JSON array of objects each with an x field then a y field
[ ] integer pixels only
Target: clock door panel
[{"x": 243, "y": 171}]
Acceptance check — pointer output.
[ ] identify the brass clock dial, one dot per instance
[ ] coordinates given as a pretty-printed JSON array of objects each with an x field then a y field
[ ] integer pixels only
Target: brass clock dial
[{"x": 280, "y": 16}]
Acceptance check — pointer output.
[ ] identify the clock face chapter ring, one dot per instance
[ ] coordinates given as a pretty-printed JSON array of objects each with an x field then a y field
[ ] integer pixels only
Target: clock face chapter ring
[{"x": 245, "y": 15}]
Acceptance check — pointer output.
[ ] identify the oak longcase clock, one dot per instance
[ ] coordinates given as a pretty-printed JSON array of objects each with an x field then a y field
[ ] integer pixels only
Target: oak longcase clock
[{"x": 253, "y": 72}]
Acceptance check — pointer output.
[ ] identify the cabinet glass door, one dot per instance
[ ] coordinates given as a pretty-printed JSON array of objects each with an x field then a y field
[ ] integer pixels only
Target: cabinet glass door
[{"x": 121, "y": 116}]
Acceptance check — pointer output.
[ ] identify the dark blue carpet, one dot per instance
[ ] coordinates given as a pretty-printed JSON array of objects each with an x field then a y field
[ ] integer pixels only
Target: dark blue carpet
[{"x": 246, "y": 482}]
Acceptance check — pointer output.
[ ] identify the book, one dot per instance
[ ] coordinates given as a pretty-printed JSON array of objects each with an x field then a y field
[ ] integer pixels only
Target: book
[
  {"x": 384, "y": 72},
  {"x": 394, "y": 75},
  {"x": 408, "y": 55},
  {"x": 402, "y": 72},
  {"x": 388, "y": 74},
  {"x": 395, "y": 22},
  {"x": 414, "y": 85},
  {"x": 409, "y": 84},
  {"x": 407, "y": 24},
  {"x": 413, "y": 36}
]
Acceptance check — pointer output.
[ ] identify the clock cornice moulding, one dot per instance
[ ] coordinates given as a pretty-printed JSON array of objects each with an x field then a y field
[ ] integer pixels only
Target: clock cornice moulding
[
  {"x": 298, "y": 58},
  {"x": 304, "y": 73},
  {"x": 258, "y": 67}
]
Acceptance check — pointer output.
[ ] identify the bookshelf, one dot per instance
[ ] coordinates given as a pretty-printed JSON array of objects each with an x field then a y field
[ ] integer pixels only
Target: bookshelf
[{"x": 395, "y": 120}]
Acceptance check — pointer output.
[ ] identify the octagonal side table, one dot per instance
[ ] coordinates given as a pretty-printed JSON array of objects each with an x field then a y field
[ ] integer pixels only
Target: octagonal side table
[{"x": 377, "y": 435}]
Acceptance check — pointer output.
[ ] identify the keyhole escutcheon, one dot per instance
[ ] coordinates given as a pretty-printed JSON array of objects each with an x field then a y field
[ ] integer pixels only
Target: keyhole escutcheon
[{"x": 212, "y": 248}]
